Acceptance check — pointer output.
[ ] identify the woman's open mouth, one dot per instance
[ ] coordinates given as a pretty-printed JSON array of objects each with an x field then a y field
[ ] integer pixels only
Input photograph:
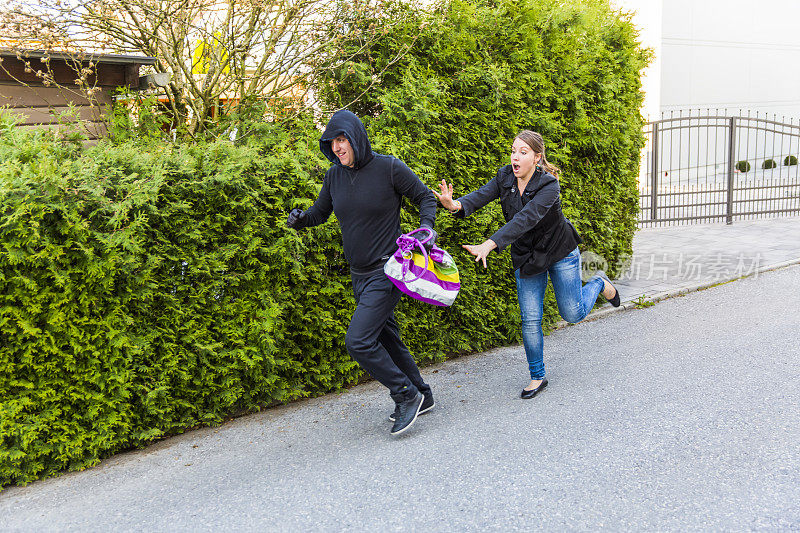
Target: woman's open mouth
[{"x": 515, "y": 166}]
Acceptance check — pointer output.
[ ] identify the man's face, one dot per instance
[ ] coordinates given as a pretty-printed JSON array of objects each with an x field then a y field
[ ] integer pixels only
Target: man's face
[{"x": 341, "y": 147}]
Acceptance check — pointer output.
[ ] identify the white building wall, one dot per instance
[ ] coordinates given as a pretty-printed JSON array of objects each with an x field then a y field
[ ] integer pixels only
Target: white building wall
[
  {"x": 719, "y": 54},
  {"x": 647, "y": 17},
  {"x": 731, "y": 54}
]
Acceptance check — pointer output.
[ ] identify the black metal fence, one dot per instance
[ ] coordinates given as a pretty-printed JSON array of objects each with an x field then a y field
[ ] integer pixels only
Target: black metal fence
[{"x": 709, "y": 167}]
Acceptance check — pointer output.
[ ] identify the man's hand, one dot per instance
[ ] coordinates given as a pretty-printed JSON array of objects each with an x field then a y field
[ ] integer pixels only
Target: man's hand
[
  {"x": 480, "y": 251},
  {"x": 296, "y": 216},
  {"x": 429, "y": 245}
]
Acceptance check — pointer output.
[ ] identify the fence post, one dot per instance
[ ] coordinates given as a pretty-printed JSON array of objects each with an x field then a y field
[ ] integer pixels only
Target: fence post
[
  {"x": 654, "y": 174},
  {"x": 731, "y": 166}
]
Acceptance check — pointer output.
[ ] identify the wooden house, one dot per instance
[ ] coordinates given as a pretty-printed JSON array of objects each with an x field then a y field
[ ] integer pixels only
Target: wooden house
[{"x": 40, "y": 88}]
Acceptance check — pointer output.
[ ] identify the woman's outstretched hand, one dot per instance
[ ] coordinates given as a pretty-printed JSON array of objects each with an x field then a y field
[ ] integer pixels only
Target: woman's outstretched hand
[
  {"x": 480, "y": 251},
  {"x": 445, "y": 196}
]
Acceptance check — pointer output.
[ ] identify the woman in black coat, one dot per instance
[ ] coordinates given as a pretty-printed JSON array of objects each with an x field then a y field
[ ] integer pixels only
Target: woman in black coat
[{"x": 543, "y": 242}]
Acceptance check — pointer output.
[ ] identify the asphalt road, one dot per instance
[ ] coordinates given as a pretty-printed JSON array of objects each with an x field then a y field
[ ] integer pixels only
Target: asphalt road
[{"x": 684, "y": 416}]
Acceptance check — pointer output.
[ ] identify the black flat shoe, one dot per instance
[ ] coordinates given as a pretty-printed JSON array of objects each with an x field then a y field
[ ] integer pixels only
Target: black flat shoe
[
  {"x": 528, "y": 394},
  {"x": 615, "y": 300}
]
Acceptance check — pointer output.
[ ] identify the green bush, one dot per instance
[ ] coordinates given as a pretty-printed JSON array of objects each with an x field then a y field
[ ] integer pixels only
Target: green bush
[
  {"x": 789, "y": 160},
  {"x": 768, "y": 164},
  {"x": 743, "y": 166},
  {"x": 148, "y": 288},
  {"x": 480, "y": 71}
]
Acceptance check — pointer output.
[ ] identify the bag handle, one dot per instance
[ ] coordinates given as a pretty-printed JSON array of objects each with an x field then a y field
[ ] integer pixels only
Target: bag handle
[
  {"x": 436, "y": 254},
  {"x": 406, "y": 243},
  {"x": 427, "y": 230}
]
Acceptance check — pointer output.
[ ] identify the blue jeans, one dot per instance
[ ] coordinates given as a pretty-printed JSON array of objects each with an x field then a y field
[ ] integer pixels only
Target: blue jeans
[{"x": 574, "y": 299}]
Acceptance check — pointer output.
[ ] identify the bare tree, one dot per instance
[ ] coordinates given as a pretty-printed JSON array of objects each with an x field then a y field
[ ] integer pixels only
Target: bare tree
[{"x": 218, "y": 53}]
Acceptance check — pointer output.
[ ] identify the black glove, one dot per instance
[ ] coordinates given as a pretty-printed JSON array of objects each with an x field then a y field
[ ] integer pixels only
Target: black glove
[
  {"x": 429, "y": 245},
  {"x": 296, "y": 216}
]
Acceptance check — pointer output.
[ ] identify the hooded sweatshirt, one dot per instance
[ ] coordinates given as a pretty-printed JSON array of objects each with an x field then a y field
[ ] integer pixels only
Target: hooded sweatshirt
[{"x": 367, "y": 197}]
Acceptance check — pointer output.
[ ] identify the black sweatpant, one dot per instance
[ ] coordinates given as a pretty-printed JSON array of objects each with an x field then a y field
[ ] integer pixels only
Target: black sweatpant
[{"x": 373, "y": 337}]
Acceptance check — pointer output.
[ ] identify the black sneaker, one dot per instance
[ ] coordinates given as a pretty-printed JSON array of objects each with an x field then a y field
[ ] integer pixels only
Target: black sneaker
[
  {"x": 427, "y": 405},
  {"x": 407, "y": 411}
]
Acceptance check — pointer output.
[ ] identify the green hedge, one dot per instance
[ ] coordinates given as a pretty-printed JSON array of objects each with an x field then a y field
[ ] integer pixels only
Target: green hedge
[
  {"x": 147, "y": 289},
  {"x": 480, "y": 71}
]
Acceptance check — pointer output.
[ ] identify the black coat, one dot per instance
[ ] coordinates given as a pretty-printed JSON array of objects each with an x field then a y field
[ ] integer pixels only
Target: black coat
[{"x": 536, "y": 229}]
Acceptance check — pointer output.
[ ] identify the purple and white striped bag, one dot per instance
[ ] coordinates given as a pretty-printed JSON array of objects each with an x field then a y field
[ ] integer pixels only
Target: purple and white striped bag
[{"x": 428, "y": 277}]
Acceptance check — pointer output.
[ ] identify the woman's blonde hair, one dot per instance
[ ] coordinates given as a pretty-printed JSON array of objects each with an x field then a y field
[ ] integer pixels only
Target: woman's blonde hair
[{"x": 536, "y": 142}]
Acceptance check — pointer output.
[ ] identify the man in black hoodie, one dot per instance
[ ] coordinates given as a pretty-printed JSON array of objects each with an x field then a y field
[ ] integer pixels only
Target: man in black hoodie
[{"x": 365, "y": 190}]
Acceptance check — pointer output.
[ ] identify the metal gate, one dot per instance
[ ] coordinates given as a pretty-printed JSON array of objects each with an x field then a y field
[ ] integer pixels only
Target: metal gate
[{"x": 711, "y": 167}]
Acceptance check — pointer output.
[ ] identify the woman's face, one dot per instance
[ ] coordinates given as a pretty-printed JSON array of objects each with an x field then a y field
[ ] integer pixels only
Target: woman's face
[{"x": 523, "y": 159}]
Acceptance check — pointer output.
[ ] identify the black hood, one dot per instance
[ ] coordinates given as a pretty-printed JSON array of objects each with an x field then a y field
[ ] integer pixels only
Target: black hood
[{"x": 346, "y": 123}]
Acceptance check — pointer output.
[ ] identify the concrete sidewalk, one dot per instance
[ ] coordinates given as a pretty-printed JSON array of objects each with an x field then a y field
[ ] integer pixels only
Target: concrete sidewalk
[{"x": 675, "y": 260}]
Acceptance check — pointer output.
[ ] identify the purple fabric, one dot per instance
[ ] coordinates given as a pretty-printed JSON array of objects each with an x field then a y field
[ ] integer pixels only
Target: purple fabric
[
  {"x": 406, "y": 244},
  {"x": 419, "y": 272},
  {"x": 414, "y": 295}
]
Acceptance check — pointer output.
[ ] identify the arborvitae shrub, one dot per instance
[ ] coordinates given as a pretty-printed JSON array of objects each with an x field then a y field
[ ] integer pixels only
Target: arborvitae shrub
[
  {"x": 147, "y": 288},
  {"x": 789, "y": 160},
  {"x": 743, "y": 166},
  {"x": 479, "y": 72},
  {"x": 768, "y": 164}
]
